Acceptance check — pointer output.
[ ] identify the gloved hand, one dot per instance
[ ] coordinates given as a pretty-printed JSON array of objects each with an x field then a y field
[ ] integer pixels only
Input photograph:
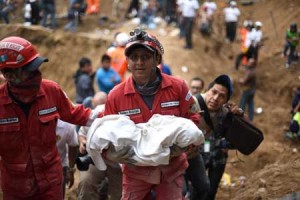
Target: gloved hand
[
  {"x": 122, "y": 156},
  {"x": 70, "y": 177},
  {"x": 176, "y": 150}
]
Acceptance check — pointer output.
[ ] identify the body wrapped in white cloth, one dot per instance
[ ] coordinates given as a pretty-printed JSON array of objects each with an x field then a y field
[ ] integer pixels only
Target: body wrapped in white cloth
[{"x": 150, "y": 141}]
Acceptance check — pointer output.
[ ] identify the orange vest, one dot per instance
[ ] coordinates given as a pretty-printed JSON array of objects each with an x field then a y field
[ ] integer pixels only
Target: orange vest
[
  {"x": 93, "y": 6},
  {"x": 244, "y": 32},
  {"x": 118, "y": 61}
]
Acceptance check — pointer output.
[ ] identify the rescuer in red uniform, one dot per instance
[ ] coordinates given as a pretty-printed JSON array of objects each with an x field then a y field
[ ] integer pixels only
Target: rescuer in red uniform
[
  {"x": 29, "y": 108},
  {"x": 145, "y": 93}
]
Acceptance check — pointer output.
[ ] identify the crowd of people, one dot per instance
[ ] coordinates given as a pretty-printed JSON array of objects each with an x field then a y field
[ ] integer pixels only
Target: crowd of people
[
  {"x": 38, "y": 120},
  {"x": 146, "y": 92}
]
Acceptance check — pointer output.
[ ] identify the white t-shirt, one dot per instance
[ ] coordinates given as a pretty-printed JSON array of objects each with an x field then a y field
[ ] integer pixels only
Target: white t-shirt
[
  {"x": 27, "y": 10},
  {"x": 189, "y": 8},
  {"x": 65, "y": 135},
  {"x": 210, "y": 6},
  {"x": 231, "y": 14},
  {"x": 253, "y": 37}
]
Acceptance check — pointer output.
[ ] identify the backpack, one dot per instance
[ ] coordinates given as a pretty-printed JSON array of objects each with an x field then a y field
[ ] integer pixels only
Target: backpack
[{"x": 241, "y": 134}]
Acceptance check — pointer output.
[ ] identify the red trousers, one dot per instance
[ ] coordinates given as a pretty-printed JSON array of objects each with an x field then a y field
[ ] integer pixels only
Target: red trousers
[
  {"x": 134, "y": 189},
  {"x": 53, "y": 193}
]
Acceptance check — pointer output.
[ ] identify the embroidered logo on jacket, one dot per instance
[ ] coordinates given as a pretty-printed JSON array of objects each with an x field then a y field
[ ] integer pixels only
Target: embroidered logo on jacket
[
  {"x": 130, "y": 112},
  {"x": 9, "y": 120},
  {"x": 47, "y": 111},
  {"x": 188, "y": 96},
  {"x": 169, "y": 104}
]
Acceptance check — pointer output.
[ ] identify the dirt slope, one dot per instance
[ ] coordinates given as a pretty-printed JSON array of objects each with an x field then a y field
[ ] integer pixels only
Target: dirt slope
[{"x": 274, "y": 166}]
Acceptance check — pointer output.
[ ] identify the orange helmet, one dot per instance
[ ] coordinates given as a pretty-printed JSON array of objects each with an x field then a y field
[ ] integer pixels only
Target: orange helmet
[
  {"x": 142, "y": 38},
  {"x": 16, "y": 52}
]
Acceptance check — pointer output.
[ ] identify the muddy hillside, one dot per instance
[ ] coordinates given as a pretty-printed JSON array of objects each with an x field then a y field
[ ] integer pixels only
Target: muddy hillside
[{"x": 272, "y": 171}]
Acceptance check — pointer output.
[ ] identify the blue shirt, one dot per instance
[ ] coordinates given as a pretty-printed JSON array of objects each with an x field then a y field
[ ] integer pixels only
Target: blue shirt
[{"x": 107, "y": 79}]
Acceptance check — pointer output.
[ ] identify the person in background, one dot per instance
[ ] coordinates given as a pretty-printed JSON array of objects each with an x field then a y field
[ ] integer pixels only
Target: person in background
[
  {"x": 164, "y": 68},
  {"x": 66, "y": 137},
  {"x": 231, "y": 14},
  {"x": 84, "y": 79},
  {"x": 148, "y": 14},
  {"x": 189, "y": 11},
  {"x": 207, "y": 12},
  {"x": 119, "y": 63},
  {"x": 92, "y": 182},
  {"x": 93, "y": 6},
  {"x": 75, "y": 11},
  {"x": 27, "y": 13},
  {"x": 9, "y": 6},
  {"x": 248, "y": 83},
  {"x": 30, "y": 106},
  {"x": 258, "y": 40},
  {"x": 248, "y": 45},
  {"x": 215, "y": 149},
  {"x": 93, "y": 101},
  {"x": 106, "y": 77},
  {"x": 196, "y": 85},
  {"x": 48, "y": 8},
  {"x": 292, "y": 37},
  {"x": 35, "y": 12},
  {"x": 133, "y": 9}
]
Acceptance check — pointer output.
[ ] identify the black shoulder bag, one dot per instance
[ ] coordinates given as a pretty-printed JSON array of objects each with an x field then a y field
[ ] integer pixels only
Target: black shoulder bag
[{"x": 242, "y": 134}]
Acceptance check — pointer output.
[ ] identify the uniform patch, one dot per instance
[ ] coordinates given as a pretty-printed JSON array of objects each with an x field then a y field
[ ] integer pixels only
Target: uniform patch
[
  {"x": 194, "y": 108},
  {"x": 9, "y": 120},
  {"x": 11, "y": 46},
  {"x": 130, "y": 112},
  {"x": 47, "y": 111},
  {"x": 169, "y": 104},
  {"x": 188, "y": 96}
]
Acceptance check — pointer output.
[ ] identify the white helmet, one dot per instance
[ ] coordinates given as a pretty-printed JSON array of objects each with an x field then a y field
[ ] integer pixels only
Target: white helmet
[
  {"x": 258, "y": 24},
  {"x": 245, "y": 23},
  {"x": 232, "y": 3},
  {"x": 122, "y": 39}
]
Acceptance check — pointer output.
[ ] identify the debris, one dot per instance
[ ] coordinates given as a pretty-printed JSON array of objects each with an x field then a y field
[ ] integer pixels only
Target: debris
[{"x": 184, "y": 69}]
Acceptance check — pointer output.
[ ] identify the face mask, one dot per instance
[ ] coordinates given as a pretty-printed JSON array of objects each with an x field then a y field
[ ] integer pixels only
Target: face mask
[{"x": 27, "y": 90}]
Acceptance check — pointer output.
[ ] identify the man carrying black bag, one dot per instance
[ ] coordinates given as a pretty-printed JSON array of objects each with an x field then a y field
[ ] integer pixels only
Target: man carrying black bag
[{"x": 215, "y": 107}]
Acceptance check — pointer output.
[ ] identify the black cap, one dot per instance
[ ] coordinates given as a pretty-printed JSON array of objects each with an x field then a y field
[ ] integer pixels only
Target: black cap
[
  {"x": 225, "y": 81},
  {"x": 35, "y": 64}
]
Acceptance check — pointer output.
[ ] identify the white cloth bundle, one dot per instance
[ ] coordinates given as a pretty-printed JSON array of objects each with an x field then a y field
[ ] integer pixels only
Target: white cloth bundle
[{"x": 150, "y": 141}]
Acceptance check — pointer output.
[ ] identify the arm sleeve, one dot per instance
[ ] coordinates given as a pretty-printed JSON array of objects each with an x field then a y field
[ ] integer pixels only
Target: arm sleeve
[
  {"x": 188, "y": 105},
  {"x": 72, "y": 139},
  {"x": 69, "y": 112}
]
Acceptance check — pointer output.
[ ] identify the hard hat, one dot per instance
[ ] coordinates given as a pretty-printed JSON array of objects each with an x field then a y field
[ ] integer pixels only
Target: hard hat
[
  {"x": 142, "y": 38},
  {"x": 16, "y": 52},
  {"x": 121, "y": 39},
  {"x": 258, "y": 23},
  {"x": 232, "y": 3},
  {"x": 245, "y": 23}
]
